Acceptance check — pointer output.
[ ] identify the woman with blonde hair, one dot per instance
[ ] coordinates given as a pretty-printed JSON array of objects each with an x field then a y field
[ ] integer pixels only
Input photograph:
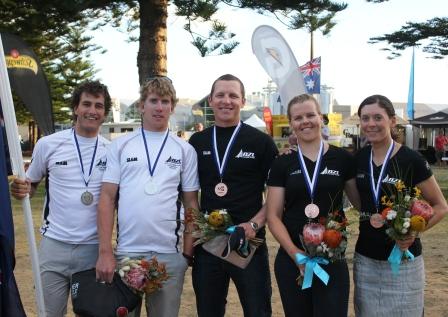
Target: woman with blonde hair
[{"x": 303, "y": 187}]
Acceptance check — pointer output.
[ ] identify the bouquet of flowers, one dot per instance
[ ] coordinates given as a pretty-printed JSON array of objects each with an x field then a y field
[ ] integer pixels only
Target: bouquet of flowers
[
  {"x": 324, "y": 242},
  {"x": 207, "y": 226},
  {"x": 142, "y": 276},
  {"x": 327, "y": 238},
  {"x": 406, "y": 214}
]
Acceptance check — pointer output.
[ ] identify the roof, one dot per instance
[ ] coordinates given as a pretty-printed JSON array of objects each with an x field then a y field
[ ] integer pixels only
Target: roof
[{"x": 436, "y": 119}]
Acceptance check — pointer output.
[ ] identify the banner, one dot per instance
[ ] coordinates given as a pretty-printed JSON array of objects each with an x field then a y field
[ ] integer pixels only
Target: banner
[
  {"x": 278, "y": 60},
  {"x": 28, "y": 80},
  {"x": 311, "y": 75},
  {"x": 410, "y": 105}
]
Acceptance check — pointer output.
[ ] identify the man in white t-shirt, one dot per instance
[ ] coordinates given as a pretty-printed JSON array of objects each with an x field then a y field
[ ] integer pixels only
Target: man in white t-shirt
[
  {"x": 72, "y": 162},
  {"x": 149, "y": 168}
]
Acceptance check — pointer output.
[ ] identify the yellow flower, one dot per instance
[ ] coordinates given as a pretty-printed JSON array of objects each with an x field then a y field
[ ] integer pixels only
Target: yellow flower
[
  {"x": 400, "y": 185},
  {"x": 417, "y": 191},
  {"x": 215, "y": 218},
  {"x": 386, "y": 202},
  {"x": 418, "y": 223}
]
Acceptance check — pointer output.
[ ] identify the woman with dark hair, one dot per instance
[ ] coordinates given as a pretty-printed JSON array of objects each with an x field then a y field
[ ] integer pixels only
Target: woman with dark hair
[
  {"x": 304, "y": 186},
  {"x": 380, "y": 166}
]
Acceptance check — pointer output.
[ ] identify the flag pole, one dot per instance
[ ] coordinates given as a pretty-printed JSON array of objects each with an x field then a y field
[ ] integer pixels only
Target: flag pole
[{"x": 15, "y": 151}]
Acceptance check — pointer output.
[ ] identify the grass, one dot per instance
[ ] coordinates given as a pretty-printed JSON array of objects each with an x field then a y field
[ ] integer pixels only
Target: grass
[{"x": 434, "y": 241}]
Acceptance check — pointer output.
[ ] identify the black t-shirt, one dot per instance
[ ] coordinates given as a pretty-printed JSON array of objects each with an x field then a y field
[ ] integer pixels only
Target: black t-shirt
[
  {"x": 248, "y": 163},
  {"x": 336, "y": 168},
  {"x": 406, "y": 165}
]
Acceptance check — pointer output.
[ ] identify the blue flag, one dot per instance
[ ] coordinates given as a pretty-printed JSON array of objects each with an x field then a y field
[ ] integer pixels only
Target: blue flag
[
  {"x": 410, "y": 105},
  {"x": 311, "y": 76},
  {"x": 10, "y": 302}
]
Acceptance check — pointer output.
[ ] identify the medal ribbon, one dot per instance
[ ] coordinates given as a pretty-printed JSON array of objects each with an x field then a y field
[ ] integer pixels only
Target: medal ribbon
[
  {"x": 311, "y": 184},
  {"x": 153, "y": 168},
  {"x": 221, "y": 166},
  {"x": 86, "y": 181},
  {"x": 376, "y": 188}
]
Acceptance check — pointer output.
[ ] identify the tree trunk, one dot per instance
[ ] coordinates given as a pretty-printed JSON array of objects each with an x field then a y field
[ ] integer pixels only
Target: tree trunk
[{"x": 151, "y": 58}]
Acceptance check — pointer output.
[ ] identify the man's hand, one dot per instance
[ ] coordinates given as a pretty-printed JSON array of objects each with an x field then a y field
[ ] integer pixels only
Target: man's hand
[
  {"x": 105, "y": 267},
  {"x": 249, "y": 232},
  {"x": 20, "y": 188}
]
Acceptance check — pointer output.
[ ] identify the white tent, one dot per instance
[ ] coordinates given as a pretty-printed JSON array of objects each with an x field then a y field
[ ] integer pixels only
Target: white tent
[{"x": 256, "y": 122}]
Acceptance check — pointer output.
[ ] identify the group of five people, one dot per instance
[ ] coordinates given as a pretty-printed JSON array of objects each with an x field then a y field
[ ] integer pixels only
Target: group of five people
[{"x": 150, "y": 177}]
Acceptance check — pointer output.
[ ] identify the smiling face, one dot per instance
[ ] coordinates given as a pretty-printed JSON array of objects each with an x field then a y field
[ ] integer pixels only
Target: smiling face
[
  {"x": 305, "y": 121},
  {"x": 90, "y": 114},
  {"x": 226, "y": 102},
  {"x": 376, "y": 123},
  {"x": 156, "y": 111}
]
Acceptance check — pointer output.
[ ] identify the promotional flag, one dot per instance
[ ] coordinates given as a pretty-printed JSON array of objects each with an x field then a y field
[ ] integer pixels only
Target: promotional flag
[
  {"x": 10, "y": 302},
  {"x": 410, "y": 105},
  {"x": 278, "y": 60},
  {"x": 311, "y": 75},
  {"x": 28, "y": 80}
]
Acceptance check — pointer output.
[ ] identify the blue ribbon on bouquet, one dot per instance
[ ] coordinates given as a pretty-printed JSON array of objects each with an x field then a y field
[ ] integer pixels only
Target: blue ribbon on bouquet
[
  {"x": 312, "y": 266},
  {"x": 395, "y": 258},
  {"x": 243, "y": 248}
]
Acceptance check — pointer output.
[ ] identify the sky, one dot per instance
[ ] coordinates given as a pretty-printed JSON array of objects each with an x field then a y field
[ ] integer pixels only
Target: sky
[{"x": 351, "y": 66}]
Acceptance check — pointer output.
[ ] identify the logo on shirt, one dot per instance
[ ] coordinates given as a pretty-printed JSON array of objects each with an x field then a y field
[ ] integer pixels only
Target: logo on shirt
[
  {"x": 206, "y": 152},
  {"x": 360, "y": 175},
  {"x": 173, "y": 162},
  {"x": 296, "y": 172},
  {"x": 131, "y": 159},
  {"x": 101, "y": 165},
  {"x": 245, "y": 155},
  {"x": 390, "y": 180},
  {"x": 75, "y": 288},
  {"x": 61, "y": 163},
  {"x": 328, "y": 171}
]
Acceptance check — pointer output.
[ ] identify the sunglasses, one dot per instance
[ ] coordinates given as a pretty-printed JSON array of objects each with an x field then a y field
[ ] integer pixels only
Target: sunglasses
[{"x": 159, "y": 77}]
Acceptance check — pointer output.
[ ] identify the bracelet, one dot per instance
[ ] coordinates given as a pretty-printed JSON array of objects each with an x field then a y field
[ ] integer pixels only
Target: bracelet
[{"x": 189, "y": 258}]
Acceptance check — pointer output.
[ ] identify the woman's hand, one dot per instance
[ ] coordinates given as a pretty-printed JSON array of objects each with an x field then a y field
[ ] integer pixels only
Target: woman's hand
[{"x": 405, "y": 243}]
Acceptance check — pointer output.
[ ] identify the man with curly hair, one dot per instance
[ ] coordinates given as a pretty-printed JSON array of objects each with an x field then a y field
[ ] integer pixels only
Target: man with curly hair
[{"x": 72, "y": 162}]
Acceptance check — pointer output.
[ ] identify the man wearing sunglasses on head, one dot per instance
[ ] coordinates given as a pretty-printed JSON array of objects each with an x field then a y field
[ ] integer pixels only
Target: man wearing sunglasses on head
[{"x": 149, "y": 168}]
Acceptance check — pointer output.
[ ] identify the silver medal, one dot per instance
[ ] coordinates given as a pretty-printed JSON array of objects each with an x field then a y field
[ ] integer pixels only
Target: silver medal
[
  {"x": 87, "y": 198},
  {"x": 151, "y": 187}
]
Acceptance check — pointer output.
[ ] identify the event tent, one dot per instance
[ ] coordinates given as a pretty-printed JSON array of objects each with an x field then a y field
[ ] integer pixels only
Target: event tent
[
  {"x": 256, "y": 122},
  {"x": 438, "y": 119}
]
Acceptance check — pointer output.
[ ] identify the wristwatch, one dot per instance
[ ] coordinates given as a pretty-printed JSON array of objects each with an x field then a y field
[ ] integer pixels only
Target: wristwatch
[{"x": 254, "y": 225}]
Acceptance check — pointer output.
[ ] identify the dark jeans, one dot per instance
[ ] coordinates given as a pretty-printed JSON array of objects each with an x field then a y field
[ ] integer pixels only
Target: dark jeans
[
  {"x": 211, "y": 277},
  {"x": 319, "y": 300}
]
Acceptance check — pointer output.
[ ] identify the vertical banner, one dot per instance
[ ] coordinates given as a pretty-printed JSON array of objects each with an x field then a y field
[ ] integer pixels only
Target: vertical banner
[
  {"x": 28, "y": 80},
  {"x": 410, "y": 105},
  {"x": 278, "y": 60}
]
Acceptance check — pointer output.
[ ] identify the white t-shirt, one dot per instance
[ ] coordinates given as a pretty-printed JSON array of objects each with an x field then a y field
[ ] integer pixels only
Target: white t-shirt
[
  {"x": 65, "y": 217},
  {"x": 150, "y": 222}
]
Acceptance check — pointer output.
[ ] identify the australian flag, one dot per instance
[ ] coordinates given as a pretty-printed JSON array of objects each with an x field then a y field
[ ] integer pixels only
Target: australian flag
[
  {"x": 311, "y": 75},
  {"x": 10, "y": 302}
]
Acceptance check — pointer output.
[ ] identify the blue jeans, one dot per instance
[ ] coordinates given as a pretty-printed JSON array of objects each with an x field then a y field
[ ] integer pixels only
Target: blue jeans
[{"x": 211, "y": 277}]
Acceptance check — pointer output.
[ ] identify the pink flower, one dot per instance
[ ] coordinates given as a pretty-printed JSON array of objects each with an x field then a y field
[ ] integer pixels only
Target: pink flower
[
  {"x": 313, "y": 233},
  {"x": 422, "y": 208},
  {"x": 136, "y": 278}
]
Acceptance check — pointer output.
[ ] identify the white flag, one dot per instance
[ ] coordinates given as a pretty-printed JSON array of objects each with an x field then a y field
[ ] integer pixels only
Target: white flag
[{"x": 277, "y": 58}]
